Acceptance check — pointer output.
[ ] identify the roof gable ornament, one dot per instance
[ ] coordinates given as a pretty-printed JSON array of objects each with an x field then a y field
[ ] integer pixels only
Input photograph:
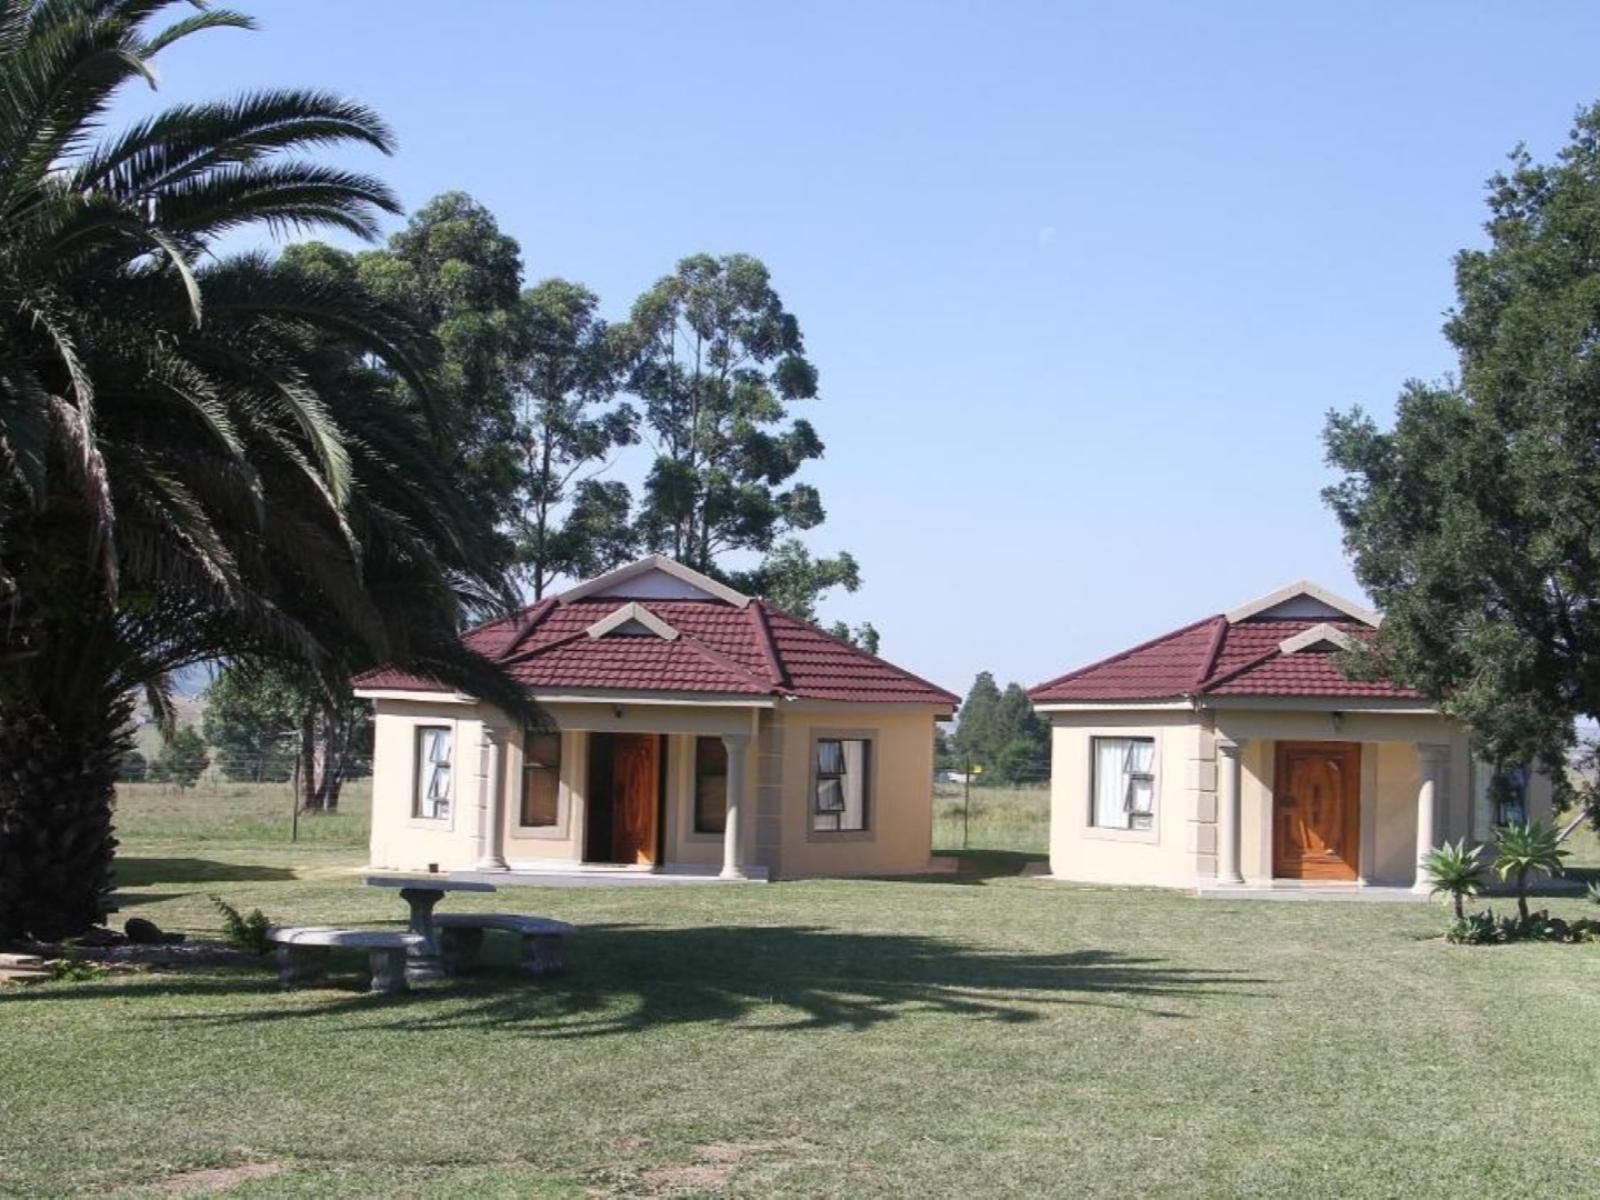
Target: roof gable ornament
[
  {"x": 655, "y": 577},
  {"x": 1318, "y": 635},
  {"x": 1300, "y": 600},
  {"x": 632, "y": 620}
]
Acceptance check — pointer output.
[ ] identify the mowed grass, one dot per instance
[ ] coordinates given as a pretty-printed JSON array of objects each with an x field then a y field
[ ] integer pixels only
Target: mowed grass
[{"x": 983, "y": 1036}]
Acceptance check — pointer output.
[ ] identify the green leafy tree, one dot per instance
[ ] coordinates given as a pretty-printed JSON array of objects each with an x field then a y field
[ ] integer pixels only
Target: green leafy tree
[
  {"x": 252, "y": 719},
  {"x": 1471, "y": 521},
  {"x": 978, "y": 734},
  {"x": 1524, "y": 850},
  {"x": 183, "y": 759},
  {"x": 1455, "y": 869},
  {"x": 460, "y": 278},
  {"x": 794, "y": 580},
  {"x": 717, "y": 361},
  {"x": 199, "y": 457},
  {"x": 567, "y": 368}
]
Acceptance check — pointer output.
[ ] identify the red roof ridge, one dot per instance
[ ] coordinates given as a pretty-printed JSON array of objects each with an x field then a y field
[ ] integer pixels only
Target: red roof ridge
[
  {"x": 532, "y": 615},
  {"x": 758, "y": 618},
  {"x": 1265, "y": 656},
  {"x": 724, "y": 661},
  {"x": 1122, "y": 654},
  {"x": 542, "y": 647},
  {"x": 855, "y": 649},
  {"x": 1213, "y": 652}
]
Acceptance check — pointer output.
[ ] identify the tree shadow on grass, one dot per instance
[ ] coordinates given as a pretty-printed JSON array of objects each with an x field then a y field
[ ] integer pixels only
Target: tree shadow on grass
[
  {"x": 133, "y": 871},
  {"x": 631, "y": 978}
]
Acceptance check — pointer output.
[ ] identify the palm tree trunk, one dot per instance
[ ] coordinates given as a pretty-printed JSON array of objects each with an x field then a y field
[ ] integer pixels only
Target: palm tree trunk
[
  {"x": 1461, "y": 911},
  {"x": 56, "y": 799},
  {"x": 1522, "y": 893}
]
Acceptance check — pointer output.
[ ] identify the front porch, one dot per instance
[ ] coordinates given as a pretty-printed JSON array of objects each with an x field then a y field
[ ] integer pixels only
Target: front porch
[
  {"x": 600, "y": 875},
  {"x": 622, "y": 795},
  {"x": 1333, "y": 813}
]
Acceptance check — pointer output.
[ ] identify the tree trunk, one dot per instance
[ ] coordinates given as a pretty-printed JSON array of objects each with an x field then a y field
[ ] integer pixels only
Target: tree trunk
[
  {"x": 57, "y": 791},
  {"x": 308, "y": 759},
  {"x": 1522, "y": 893},
  {"x": 1461, "y": 910}
]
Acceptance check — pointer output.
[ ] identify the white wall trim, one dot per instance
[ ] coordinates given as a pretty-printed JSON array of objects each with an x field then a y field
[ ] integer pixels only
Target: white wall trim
[
  {"x": 659, "y": 563},
  {"x": 633, "y": 613},
  {"x": 1303, "y": 587},
  {"x": 1316, "y": 635}
]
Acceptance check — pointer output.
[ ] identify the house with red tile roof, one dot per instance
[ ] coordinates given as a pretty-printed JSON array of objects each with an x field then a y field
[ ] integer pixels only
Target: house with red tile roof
[
  {"x": 1239, "y": 752},
  {"x": 690, "y": 730}
]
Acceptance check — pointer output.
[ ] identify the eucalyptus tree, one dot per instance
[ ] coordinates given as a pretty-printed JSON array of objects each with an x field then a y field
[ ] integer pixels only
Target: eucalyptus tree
[
  {"x": 191, "y": 466},
  {"x": 717, "y": 361},
  {"x": 567, "y": 368}
]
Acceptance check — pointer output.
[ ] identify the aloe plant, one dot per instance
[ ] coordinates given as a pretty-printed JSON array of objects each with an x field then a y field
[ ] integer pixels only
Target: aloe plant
[
  {"x": 1455, "y": 869},
  {"x": 1522, "y": 850}
]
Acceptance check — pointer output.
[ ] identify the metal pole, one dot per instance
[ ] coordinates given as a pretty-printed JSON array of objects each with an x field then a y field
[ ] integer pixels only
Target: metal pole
[{"x": 966, "y": 803}]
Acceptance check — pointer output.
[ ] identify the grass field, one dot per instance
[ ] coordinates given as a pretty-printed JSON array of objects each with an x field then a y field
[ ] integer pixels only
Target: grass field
[{"x": 982, "y": 1036}]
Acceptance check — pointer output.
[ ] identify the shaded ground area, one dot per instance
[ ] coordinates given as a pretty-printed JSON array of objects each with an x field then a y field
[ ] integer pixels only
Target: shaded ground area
[{"x": 993, "y": 1035}]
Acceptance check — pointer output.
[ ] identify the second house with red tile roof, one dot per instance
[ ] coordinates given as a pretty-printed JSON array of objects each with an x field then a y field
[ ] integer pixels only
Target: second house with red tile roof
[
  {"x": 1237, "y": 752},
  {"x": 692, "y": 730}
]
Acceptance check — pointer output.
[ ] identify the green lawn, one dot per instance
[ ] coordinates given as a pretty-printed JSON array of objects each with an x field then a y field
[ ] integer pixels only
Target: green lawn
[{"x": 992, "y": 1036}]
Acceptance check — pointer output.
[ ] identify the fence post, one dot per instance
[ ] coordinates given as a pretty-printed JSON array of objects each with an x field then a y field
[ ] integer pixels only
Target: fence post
[{"x": 966, "y": 804}]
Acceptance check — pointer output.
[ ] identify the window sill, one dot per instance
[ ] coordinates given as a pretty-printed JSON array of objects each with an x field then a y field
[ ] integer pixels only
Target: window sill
[
  {"x": 1103, "y": 834},
  {"x": 538, "y": 833},
  {"x": 841, "y": 835}
]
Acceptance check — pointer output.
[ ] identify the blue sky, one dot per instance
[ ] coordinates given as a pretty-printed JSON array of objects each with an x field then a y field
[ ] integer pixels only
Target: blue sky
[{"x": 1081, "y": 281}]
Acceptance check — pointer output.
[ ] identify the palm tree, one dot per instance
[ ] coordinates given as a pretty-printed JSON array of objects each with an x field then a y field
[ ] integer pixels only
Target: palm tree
[
  {"x": 1456, "y": 870},
  {"x": 195, "y": 461},
  {"x": 1522, "y": 850}
]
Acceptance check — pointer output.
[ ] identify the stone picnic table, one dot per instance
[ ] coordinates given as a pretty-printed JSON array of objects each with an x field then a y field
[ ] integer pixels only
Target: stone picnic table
[{"x": 421, "y": 893}]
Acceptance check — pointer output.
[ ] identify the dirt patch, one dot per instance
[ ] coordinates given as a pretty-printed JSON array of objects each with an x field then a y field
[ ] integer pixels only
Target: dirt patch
[
  {"x": 211, "y": 1180},
  {"x": 713, "y": 1163}
]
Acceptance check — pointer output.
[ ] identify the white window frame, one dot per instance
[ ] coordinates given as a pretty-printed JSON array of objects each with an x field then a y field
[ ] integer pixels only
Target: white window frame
[
  {"x": 1131, "y": 832},
  {"x": 422, "y": 775}
]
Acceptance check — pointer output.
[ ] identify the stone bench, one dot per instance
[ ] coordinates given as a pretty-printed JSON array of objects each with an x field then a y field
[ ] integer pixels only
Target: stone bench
[
  {"x": 543, "y": 940},
  {"x": 303, "y": 952}
]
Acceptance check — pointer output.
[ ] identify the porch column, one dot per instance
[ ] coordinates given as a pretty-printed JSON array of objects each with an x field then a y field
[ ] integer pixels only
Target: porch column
[
  {"x": 491, "y": 809},
  {"x": 732, "y": 838},
  {"x": 1431, "y": 760},
  {"x": 1230, "y": 799}
]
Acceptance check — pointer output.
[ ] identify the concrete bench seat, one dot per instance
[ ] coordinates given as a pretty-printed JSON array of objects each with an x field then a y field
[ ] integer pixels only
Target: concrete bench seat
[
  {"x": 303, "y": 953},
  {"x": 543, "y": 940}
]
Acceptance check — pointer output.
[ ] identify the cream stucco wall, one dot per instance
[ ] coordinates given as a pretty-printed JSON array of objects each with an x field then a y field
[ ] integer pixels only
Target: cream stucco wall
[
  {"x": 1164, "y": 855},
  {"x": 1181, "y": 850},
  {"x": 899, "y": 837},
  {"x": 776, "y": 829}
]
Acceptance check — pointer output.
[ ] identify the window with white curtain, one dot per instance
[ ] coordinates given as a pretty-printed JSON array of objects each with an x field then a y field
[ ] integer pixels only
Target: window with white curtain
[
  {"x": 1123, "y": 786},
  {"x": 433, "y": 772},
  {"x": 842, "y": 766}
]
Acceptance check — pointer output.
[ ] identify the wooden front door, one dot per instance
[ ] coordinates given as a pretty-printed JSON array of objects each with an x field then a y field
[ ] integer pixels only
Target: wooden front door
[
  {"x": 1316, "y": 810},
  {"x": 635, "y": 782}
]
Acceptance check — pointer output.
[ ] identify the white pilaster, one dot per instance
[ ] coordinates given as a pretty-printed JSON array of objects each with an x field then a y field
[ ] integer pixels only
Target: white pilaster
[
  {"x": 1432, "y": 759},
  {"x": 738, "y": 800},
  {"x": 1230, "y": 799},
  {"x": 492, "y": 813}
]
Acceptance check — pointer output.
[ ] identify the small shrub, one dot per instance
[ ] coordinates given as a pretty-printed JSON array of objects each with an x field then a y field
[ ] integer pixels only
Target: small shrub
[
  {"x": 1523, "y": 850},
  {"x": 245, "y": 932},
  {"x": 72, "y": 967},
  {"x": 1486, "y": 929},
  {"x": 1593, "y": 892},
  {"x": 1455, "y": 870}
]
